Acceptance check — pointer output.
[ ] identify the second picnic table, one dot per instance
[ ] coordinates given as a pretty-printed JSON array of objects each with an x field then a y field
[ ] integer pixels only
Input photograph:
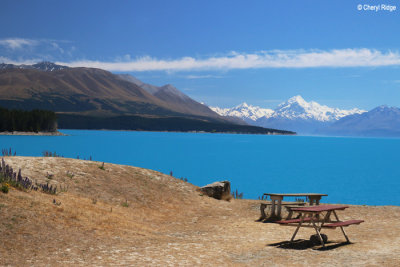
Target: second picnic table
[{"x": 276, "y": 201}]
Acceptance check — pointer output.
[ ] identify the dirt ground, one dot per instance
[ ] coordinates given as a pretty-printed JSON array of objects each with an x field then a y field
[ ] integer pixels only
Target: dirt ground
[{"x": 128, "y": 216}]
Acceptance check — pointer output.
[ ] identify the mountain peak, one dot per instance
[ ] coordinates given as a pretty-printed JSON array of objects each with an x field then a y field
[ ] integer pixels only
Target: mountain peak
[
  {"x": 48, "y": 66},
  {"x": 296, "y": 102},
  {"x": 169, "y": 88},
  {"x": 297, "y": 98},
  {"x": 243, "y": 105},
  {"x": 244, "y": 111},
  {"x": 294, "y": 109},
  {"x": 384, "y": 108},
  {"x": 43, "y": 66},
  {"x": 297, "y": 108},
  {"x": 168, "y": 85}
]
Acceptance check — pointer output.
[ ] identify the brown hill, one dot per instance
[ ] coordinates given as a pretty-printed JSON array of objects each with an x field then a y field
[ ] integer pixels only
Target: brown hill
[
  {"x": 182, "y": 103},
  {"x": 92, "y": 91},
  {"x": 88, "y": 98},
  {"x": 130, "y": 216}
]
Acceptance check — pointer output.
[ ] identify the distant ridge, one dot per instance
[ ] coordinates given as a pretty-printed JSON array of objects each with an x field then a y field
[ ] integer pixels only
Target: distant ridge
[
  {"x": 44, "y": 66},
  {"x": 382, "y": 121},
  {"x": 295, "y": 114},
  {"x": 169, "y": 94}
]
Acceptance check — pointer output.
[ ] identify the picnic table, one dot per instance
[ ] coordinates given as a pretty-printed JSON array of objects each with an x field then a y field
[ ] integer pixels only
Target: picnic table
[
  {"x": 276, "y": 202},
  {"x": 312, "y": 217}
]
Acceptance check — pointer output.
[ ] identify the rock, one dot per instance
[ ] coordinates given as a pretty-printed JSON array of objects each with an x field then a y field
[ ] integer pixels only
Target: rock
[
  {"x": 315, "y": 239},
  {"x": 218, "y": 190}
]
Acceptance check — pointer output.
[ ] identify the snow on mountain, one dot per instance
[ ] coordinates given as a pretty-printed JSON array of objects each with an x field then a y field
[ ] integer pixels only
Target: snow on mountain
[
  {"x": 244, "y": 111},
  {"x": 44, "y": 66},
  {"x": 294, "y": 108},
  {"x": 295, "y": 114},
  {"x": 297, "y": 108}
]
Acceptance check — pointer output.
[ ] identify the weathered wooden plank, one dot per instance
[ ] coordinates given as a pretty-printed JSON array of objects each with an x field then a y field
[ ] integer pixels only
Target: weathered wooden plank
[{"x": 345, "y": 223}]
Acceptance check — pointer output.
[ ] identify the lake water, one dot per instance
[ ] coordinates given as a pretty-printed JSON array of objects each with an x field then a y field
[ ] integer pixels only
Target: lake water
[{"x": 349, "y": 170}]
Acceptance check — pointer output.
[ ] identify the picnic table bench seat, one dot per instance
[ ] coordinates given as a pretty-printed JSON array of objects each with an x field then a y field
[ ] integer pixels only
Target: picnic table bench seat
[
  {"x": 342, "y": 224},
  {"x": 307, "y": 219}
]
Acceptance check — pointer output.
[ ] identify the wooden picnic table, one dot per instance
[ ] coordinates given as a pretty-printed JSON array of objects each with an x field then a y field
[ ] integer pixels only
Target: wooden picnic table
[
  {"x": 276, "y": 201},
  {"x": 312, "y": 216}
]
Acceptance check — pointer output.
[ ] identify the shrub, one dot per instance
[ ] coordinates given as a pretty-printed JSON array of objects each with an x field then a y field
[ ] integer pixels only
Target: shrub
[
  {"x": 47, "y": 153},
  {"x": 8, "y": 152},
  {"x": 237, "y": 195},
  {"x": 102, "y": 167},
  {"x": 125, "y": 204},
  {"x": 4, "y": 188},
  {"x": 70, "y": 174}
]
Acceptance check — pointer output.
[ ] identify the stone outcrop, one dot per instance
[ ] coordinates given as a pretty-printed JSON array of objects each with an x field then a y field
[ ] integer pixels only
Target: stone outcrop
[{"x": 218, "y": 190}]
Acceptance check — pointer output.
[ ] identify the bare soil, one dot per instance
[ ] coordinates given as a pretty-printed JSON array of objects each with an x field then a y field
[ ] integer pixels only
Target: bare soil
[{"x": 128, "y": 216}]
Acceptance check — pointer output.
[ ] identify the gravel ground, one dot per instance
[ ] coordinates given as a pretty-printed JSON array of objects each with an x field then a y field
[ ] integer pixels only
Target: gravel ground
[{"x": 128, "y": 216}]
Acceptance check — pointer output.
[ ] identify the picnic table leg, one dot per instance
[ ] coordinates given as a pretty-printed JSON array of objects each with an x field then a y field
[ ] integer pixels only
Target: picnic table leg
[
  {"x": 272, "y": 207},
  {"x": 318, "y": 233},
  {"x": 314, "y": 199},
  {"x": 276, "y": 206},
  {"x": 327, "y": 218},
  {"x": 289, "y": 215},
  {"x": 341, "y": 228},
  {"x": 262, "y": 209},
  {"x": 279, "y": 207},
  {"x": 298, "y": 227}
]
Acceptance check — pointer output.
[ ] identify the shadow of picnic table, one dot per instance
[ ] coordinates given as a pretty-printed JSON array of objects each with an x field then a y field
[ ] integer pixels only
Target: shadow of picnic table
[{"x": 302, "y": 244}]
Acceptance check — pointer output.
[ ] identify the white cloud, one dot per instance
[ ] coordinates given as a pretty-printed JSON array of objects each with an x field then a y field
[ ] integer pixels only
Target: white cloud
[
  {"x": 265, "y": 59},
  {"x": 57, "y": 47},
  {"x": 19, "y": 62},
  {"x": 17, "y": 43}
]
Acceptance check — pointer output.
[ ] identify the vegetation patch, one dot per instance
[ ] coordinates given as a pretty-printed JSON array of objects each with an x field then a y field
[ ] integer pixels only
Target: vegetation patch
[
  {"x": 125, "y": 203},
  {"x": 13, "y": 179},
  {"x": 27, "y": 121},
  {"x": 101, "y": 167},
  {"x": 8, "y": 152},
  {"x": 4, "y": 188},
  {"x": 237, "y": 195}
]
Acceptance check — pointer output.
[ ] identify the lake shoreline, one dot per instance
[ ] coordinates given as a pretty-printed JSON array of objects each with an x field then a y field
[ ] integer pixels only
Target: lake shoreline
[{"x": 57, "y": 133}]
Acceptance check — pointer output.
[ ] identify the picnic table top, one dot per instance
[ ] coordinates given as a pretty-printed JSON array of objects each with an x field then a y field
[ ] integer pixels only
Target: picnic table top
[
  {"x": 295, "y": 194},
  {"x": 320, "y": 208}
]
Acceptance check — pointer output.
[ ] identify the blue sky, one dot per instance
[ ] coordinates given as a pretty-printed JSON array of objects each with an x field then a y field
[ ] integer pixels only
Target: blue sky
[{"x": 221, "y": 52}]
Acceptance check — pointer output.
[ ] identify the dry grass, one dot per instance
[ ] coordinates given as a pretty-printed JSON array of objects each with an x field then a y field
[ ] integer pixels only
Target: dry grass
[{"x": 166, "y": 222}]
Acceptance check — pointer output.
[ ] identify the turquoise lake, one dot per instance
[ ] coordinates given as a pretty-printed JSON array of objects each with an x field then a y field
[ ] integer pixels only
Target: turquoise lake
[{"x": 349, "y": 170}]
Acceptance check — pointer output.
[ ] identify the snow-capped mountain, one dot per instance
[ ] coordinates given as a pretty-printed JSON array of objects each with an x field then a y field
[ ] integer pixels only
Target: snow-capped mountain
[
  {"x": 297, "y": 108},
  {"x": 44, "y": 66},
  {"x": 295, "y": 114},
  {"x": 244, "y": 111}
]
